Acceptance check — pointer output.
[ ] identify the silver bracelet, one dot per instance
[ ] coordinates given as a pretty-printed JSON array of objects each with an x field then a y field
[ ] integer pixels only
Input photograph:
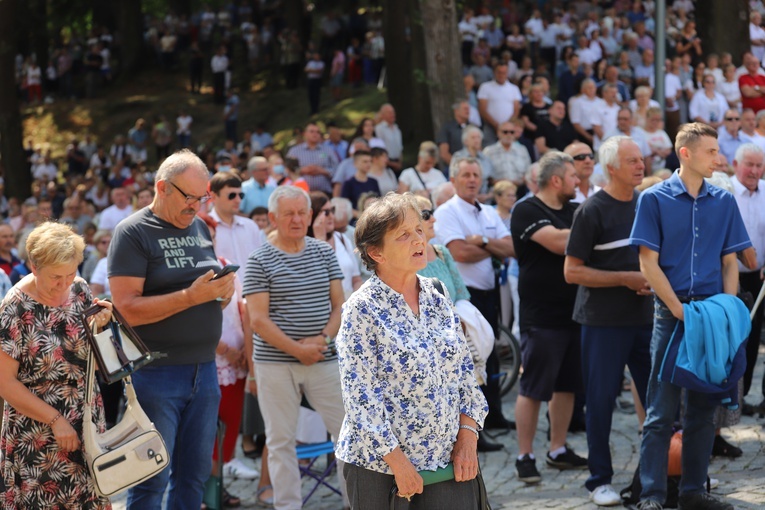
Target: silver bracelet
[{"x": 471, "y": 429}]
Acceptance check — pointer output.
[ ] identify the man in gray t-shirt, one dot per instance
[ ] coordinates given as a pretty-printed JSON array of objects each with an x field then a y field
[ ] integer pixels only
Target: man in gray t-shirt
[
  {"x": 161, "y": 266},
  {"x": 294, "y": 295}
]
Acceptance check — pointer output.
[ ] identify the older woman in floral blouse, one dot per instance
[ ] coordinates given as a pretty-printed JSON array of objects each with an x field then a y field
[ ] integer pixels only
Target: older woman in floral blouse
[{"x": 411, "y": 400}]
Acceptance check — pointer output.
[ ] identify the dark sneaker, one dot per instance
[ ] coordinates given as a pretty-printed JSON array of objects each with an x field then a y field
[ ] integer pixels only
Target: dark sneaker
[
  {"x": 526, "y": 468},
  {"x": 649, "y": 504},
  {"x": 567, "y": 460},
  {"x": 701, "y": 501}
]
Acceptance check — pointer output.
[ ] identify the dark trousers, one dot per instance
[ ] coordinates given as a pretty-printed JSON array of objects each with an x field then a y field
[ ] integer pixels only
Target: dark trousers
[
  {"x": 751, "y": 282},
  {"x": 370, "y": 490},
  {"x": 314, "y": 94},
  {"x": 487, "y": 302},
  {"x": 219, "y": 87},
  {"x": 605, "y": 352}
]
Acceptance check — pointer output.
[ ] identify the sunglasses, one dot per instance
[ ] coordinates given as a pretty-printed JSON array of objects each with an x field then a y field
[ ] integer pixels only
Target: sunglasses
[
  {"x": 732, "y": 118},
  {"x": 426, "y": 214},
  {"x": 234, "y": 194},
  {"x": 329, "y": 211},
  {"x": 582, "y": 157}
]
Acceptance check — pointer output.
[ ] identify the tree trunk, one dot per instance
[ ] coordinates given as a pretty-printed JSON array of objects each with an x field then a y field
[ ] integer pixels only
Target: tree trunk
[
  {"x": 104, "y": 14},
  {"x": 39, "y": 11},
  {"x": 442, "y": 59},
  {"x": 398, "y": 63},
  {"x": 129, "y": 26},
  {"x": 18, "y": 180},
  {"x": 421, "y": 87},
  {"x": 723, "y": 26},
  {"x": 181, "y": 7}
]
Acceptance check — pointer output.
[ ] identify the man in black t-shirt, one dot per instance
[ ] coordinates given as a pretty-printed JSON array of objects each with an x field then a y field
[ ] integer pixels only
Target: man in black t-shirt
[
  {"x": 613, "y": 303},
  {"x": 555, "y": 133},
  {"x": 549, "y": 338}
]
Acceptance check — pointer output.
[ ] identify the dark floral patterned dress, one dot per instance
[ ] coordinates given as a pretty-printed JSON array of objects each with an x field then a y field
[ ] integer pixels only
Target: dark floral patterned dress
[{"x": 51, "y": 349}]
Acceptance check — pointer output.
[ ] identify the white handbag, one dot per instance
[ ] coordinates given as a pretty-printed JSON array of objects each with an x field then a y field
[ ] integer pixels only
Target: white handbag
[{"x": 127, "y": 454}]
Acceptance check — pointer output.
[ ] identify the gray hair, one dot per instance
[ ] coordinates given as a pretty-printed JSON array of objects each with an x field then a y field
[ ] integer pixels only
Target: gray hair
[
  {"x": 254, "y": 161},
  {"x": 177, "y": 163},
  {"x": 439, "y": 192},
  {"x": 343, "y": 208},
  {"x": 456, "y": 106},
  {"x": 286, "y": 192},
  {"x": 608, "y": 154},
  {"x": 747, "y": 148},
  {"x": 759, "y": 116},
  {"x": 377, "y": 220},
  {"x": 454, "y": 168},
  {"x": 552, "y": 163},
  {"x": 469, "y": 129}
]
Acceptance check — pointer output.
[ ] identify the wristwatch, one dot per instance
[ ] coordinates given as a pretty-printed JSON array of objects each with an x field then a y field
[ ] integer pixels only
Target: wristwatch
[{"x": 484, "y": 241}]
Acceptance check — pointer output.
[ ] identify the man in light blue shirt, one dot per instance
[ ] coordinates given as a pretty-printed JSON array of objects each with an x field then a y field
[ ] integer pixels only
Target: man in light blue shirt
[
  {"x": 256, "y": 191},
  {"x": 729, "y": 137}
]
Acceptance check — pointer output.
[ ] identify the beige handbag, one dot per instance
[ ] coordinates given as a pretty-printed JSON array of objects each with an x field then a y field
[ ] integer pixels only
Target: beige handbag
[{"x": 127, "y": 454}]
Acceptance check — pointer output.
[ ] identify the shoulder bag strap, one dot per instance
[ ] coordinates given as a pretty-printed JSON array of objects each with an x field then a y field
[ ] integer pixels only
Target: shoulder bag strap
[{"x": 417, "y": 173}]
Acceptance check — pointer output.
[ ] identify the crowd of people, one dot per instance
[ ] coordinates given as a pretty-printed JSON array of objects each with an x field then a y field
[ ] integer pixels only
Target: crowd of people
[{"x": 562, "y": 219}]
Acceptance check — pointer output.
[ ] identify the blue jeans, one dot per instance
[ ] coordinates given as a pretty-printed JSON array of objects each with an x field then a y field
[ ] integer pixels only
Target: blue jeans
[
  {"x": 663, "y": 399},
  {"x": 182, "y": 401},
  {"x": 605, "y": 352}
]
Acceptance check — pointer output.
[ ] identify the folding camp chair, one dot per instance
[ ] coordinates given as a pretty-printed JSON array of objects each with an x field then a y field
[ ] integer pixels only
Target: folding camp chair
[{"x": 312, "y": 452}]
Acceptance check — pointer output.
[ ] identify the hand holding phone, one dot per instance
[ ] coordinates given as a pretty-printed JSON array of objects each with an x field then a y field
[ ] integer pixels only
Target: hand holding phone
[{"x": 231, "y": 268}]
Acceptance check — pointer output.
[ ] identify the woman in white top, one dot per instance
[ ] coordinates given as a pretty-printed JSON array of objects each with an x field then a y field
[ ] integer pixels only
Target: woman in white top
[
  {"x": 729, "y": 87},
  {"x": 422, "y": 178},
  {"x": 641, "y": 104},
  {"x": 708, "y": 106},
  {"x": 366, "y": 130},
  {"x": 323, "y": 228},
  {"x": 657, "y": 139}
]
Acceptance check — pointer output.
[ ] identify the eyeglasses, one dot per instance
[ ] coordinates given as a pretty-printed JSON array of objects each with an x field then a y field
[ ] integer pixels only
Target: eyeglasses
[
  {"x": 582, "y": 157},
  {"x": 234, "y": 194},
  {"x": 426, "y": 214},
  {"x": 329, "y": 211},
  {"x": 732, "y": 118},
  {"x": 191, "y": 199}
]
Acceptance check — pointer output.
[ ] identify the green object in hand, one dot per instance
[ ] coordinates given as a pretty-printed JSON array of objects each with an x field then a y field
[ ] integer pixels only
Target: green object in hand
[{"x": 440, "y": 475}]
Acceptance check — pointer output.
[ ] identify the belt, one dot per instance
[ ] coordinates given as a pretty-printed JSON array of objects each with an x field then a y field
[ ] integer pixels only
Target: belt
[{"x": 688, "y": 299}]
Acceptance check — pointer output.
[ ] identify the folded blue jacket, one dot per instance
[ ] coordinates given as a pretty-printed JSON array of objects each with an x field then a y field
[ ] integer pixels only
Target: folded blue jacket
[{"x": 707, "y": 351}]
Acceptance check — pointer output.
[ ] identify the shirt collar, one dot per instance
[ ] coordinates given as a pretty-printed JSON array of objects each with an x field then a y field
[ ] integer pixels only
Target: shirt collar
[
  {"x": 237, "y": 221},
  {"x": 677, "y": 186},
  {"x": 740, "y": 189},
  {"x": 475, "y": 207}
]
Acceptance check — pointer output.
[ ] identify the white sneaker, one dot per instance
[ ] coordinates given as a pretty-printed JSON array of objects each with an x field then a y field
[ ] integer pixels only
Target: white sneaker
[
  {"x": 238, "y": 469},
  {"x": 605, "y": 495},
  {"x": 714, "y": 483}
]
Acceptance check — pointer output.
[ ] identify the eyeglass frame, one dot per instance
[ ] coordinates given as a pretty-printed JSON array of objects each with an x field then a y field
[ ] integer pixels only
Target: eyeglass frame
[
  {"x": 190, "y": 199},
  {"x": 582, "y": 157}
]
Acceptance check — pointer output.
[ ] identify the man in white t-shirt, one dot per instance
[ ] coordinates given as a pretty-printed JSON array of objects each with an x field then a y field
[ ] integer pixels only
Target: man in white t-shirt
[
  {"x": 118, "y": 211},
  {"x": 183, "y": 129},
  {"x": 757, "y": 35},
  {"x": 45, "y": 170},
  {"x": 604, "y": 120},
  {"x": 498, "y": 101},
  {"x": 583, "y": 110}
]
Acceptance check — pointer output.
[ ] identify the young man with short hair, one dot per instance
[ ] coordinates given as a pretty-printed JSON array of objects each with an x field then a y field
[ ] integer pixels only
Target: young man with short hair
[
  {"x": 360, "y": 183},
  {"x": 688, "y": 233}
]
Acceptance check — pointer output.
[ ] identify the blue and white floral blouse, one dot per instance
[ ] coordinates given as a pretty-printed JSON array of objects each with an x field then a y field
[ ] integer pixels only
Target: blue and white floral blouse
[{"x": 405, "y": 379}]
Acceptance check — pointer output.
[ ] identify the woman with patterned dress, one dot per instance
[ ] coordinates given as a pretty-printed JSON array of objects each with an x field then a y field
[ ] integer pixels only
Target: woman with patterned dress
[
  {"x": 411, "y": 400},
  {"x": 43, "y": 358}
]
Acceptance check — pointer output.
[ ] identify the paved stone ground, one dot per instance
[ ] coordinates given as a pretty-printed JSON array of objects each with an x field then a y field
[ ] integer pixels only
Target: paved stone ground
[{"x": 742, "y": 480}]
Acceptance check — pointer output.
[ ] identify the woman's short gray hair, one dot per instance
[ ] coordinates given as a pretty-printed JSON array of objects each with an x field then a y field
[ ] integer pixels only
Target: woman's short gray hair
[
  {"x": 608, "y": 154},
  {"x": 552, "y": 163},
  {"x": 177, "y": 163},
  {"x": 53, "y": 244},
  {"x": 343, "y": 208},
  {"x": 286, "y": 192},
  {"x": 470, "y": 129},
  {"x": 747, "y": 148},
  {"x": 378, "y": 219}
]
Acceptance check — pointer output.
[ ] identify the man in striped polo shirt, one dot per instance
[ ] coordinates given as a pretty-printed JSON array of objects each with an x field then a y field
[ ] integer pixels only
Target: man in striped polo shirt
[{"x": 294, "y": 294}]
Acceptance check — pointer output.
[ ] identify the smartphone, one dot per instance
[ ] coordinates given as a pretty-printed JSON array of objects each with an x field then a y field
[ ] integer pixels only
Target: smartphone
[{"x": 231, "y": 268}]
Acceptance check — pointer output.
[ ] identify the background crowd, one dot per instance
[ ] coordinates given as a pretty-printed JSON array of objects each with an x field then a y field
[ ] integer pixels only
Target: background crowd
[{"x": 564, "y": 78}]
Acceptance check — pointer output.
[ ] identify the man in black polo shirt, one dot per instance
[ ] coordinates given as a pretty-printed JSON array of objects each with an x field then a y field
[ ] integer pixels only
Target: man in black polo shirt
[
  {"x": 550, "y": 339},
  {"x": 613, "y": 303},
  {"x": 555, "y": 133}
]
